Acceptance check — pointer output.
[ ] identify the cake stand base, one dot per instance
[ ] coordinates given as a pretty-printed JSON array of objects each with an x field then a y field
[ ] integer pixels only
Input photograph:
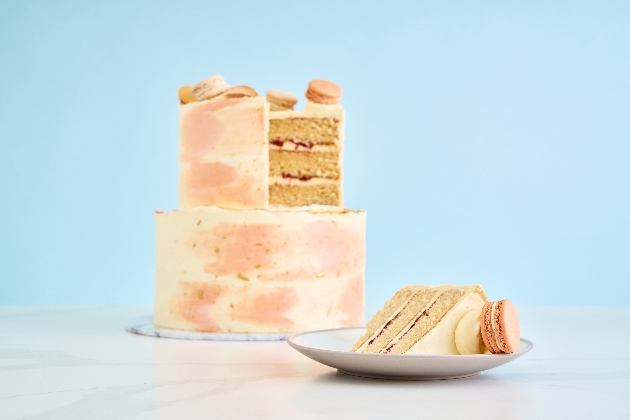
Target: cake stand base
[{"x": 144, "y": 326}]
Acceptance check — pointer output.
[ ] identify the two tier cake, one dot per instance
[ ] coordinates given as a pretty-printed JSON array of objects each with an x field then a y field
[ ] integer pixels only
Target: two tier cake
[{"x": 261, "y": 241}]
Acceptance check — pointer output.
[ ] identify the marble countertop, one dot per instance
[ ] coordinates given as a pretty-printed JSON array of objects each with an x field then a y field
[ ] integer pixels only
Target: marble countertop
[{"x": 79, "y": 363}]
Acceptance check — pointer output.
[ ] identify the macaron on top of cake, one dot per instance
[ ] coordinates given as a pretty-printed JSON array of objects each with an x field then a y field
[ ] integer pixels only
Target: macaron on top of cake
[
  {"x": 323, "y": 92},
  {"x": 240, "y": 91},
  {"x": 185, "y": 95},
  {"x": 500, "y": 329},
  {"x": 280, "y": 100},
  {"x": 210, "y": 87}
]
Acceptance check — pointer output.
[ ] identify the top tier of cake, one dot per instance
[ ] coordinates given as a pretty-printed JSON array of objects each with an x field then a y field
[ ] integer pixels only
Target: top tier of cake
[{"x": 239, "y": 150}]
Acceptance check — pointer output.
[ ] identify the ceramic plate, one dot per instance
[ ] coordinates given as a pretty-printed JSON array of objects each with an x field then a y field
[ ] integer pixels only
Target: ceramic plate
[{"x": 332, "y": 348}]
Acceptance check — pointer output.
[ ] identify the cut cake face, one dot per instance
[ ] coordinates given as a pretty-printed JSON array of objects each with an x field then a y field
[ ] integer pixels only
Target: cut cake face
[{"x": 305, "y": 156}]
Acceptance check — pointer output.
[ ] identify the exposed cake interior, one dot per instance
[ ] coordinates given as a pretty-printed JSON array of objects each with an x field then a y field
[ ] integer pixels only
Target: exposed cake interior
[
  {"x": 391, "y": 308},
  {"x": 309, "y": 131},
  {"x": 305, "y": 157},
  {"x": 421, "y": 298},
  {"x": 292, "y": 195},
  {"x": 425, "y": 321}
]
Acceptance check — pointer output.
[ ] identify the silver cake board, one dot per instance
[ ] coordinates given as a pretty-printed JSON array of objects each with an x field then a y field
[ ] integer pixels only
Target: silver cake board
[{"x": 144, "y": 326}]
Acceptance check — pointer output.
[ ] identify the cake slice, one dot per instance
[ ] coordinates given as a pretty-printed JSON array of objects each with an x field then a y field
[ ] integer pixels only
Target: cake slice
[{"x": 420, "y": 319}]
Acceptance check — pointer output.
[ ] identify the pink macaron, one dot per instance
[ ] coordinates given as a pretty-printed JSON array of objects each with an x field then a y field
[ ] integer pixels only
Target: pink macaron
[
  {"x": 500, "y": 329},
  {"x": 323, "y": 92}
]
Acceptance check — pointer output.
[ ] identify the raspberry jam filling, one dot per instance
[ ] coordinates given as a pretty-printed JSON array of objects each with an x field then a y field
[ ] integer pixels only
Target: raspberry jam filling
[
  {"x": 415, "y": 321},
  {"x": 382, "y": 329},
  {"x": 301, "y": 178},
  {"x": 297, "y": 144}
]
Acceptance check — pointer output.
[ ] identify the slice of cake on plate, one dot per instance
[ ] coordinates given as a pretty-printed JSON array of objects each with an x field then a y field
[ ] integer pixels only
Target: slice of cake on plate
[{"x": 441, "y": 320}]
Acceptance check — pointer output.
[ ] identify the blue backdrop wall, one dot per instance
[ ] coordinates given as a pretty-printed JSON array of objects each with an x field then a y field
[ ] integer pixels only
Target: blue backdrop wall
[{"x": 489, "y": 142}]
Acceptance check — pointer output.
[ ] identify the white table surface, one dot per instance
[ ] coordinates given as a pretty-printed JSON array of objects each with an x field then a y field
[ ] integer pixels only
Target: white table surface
[{"x": 79, "y": 363}]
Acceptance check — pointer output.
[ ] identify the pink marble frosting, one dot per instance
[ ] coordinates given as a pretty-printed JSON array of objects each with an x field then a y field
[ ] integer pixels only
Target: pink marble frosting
[
  {"x": 223, "y": 153},
  {"x": 259, "y": 270}
]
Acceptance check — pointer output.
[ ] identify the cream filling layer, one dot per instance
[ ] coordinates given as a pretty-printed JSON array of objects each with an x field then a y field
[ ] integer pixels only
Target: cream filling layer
[
  {"x": 315, "y": 107},
  {"x": 311, "y": 110},
  {"x": 278, "y": 180},
  {"x": 493, "y": 324},
  {"x": 387, "y": 321},
  {"x": 410, "y": 325},
  {"x": 467, "y": 333},
  {"x": 291, "y": 146},
  {"x": 441, "y": 339}
]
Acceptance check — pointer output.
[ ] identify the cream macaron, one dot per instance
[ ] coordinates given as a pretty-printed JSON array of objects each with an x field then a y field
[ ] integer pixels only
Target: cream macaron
[
  {"x": 210, "y": 87},
  {"x": 280, "y": 100}
]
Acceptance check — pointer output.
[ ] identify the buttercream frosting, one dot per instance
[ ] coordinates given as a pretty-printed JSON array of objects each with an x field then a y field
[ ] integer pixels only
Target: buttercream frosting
[
  {"x": 441, "y": 339},
  {"x": 223, "y": 153},
  {"x": 260, "y": 270},
  {"x": 468, "y": 333}
]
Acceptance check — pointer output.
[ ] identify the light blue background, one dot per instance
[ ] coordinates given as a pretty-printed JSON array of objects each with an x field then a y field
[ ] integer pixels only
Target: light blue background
[{"x": 489, "y": 142}]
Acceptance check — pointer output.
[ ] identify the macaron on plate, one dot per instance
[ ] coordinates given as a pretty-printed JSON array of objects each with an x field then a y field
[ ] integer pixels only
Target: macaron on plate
[{"x": 332, "y": 348}]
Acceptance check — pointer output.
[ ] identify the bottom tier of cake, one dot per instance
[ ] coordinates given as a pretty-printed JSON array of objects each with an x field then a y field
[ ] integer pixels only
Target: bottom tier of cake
[{"x": 260, "y": 270}]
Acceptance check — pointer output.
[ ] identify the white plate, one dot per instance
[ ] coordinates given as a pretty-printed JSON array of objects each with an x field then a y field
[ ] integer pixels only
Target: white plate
[
  {"x": 332, "y": 348},
  {"x": 144, "y": 326}
]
